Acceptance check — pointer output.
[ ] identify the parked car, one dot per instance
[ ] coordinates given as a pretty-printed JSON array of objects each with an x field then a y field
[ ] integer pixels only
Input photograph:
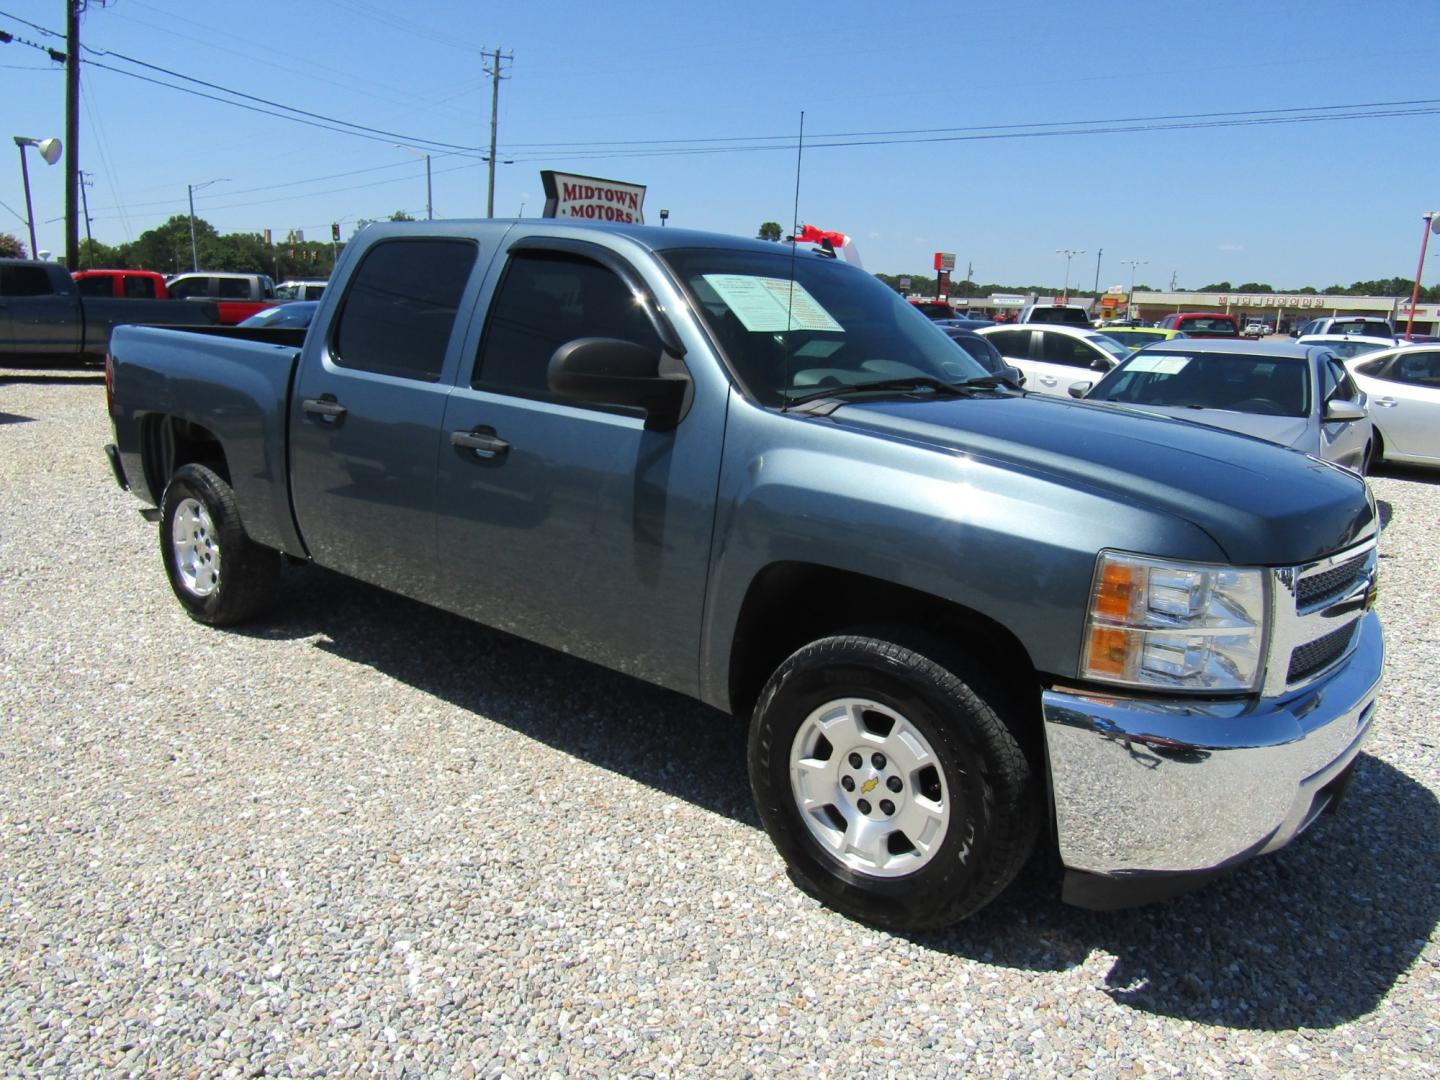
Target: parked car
[
  {"x": 1202, "y": 324},
  {"x": 300, "y": 290},
  {"x": 291, "y": 313},
  {"x": 983, "y": 353},
  {"x": 1369, "y": 325},
  {"x": 1052, "y": 357},
  {"x": 1346, "y": 346},
  {"x": 238, "y": 296},
  {"x": 1060, "y": 314},
  {"x": 1256, "y": 329},
  {"x": 1403, "y": 385},
  {"x": 963, "y": 323},
  {"x": 121, "y": 284},
  {"x": 934, "y": 309},
  {"x": 1137, "y": 337},
  {"x": 1298, "y": 396},
  {"x": 955, "y": 617}
]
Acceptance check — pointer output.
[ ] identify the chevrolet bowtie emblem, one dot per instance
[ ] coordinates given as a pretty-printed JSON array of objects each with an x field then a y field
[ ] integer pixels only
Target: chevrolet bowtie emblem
[{"x": 869, "y": 786}]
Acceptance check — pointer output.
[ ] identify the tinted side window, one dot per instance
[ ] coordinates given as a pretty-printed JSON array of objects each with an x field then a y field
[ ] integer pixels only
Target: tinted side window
[
  {"x": 94, "y": 286},
  {"x": 1059, "y": 349},
  {"x": 190, "y": 287},
  {"x": 1417, "y": 369},
  {"x": 545, "y": 300},
  {"x": 25, "y": 281},
  {"x": 233, "y": 289},
  {"x": 399, "y": 310},
  {"x": 1014, "y": 343},
  {"x": 140, "y": 288}
]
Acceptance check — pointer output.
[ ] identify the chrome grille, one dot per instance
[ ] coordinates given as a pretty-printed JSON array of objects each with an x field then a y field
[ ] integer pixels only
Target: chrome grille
[
  {"x": 1329, "y": 584},
  {"x": 1320, "y": 653},
  {"x": 1317, "y": 608}
]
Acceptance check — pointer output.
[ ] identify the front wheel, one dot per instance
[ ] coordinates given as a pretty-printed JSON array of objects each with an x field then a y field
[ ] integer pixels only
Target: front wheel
[
  {"x": 894, "y": 792},
  {"x": 217, "y": 572}
]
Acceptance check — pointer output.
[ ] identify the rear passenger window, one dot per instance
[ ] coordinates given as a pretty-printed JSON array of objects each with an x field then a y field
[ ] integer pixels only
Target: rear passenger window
[
  {"x": 233, "y": 289},
  {"x": 546, "y": 299},
  {"x": 94, "y": 286},
  {"x": 399, "y": 310},
  {"x": 1015, "y": 343},
  {"x": 184, "y": 290},
  {"x": 139, "y": 288}
]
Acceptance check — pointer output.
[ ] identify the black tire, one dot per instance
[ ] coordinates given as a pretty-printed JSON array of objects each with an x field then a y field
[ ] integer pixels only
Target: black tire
[
  {"x": 230, "y": 577},
  {"x": 985, "y": 782},
  {"x": 1374, "y": 454}
]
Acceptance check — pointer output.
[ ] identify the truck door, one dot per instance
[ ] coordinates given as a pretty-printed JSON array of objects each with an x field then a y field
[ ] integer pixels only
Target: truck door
[
  {"x": 35, "y": 320},
  {"x": 571, "y": 525},
  {"x": 366, "y": 414}
]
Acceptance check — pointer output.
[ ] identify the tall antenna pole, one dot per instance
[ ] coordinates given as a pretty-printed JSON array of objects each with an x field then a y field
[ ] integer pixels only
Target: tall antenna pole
[{"x": 494, "y": 72}]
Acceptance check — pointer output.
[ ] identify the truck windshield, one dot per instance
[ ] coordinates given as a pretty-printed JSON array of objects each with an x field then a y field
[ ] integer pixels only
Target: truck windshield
[{"x": 828, "y": 326}]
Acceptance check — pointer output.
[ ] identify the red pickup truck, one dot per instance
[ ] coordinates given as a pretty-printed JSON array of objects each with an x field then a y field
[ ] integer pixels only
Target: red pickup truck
[
  {"x": 1202, "y": 324},
  {"x": 238, "y": 295},
  {"x": 122, "y": 284}
]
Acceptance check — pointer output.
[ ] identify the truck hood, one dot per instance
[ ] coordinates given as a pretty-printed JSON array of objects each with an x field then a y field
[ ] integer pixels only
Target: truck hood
[{"x": 1261, "y": 503}]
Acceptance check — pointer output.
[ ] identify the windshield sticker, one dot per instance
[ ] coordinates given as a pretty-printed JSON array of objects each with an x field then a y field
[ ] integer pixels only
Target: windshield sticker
[
  {"x": 771, "y": 305},
  {"x": 1160, "y": 365}
]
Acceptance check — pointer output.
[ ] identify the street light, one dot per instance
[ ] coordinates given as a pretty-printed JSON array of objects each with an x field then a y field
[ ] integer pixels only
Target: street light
[
  {"x": 1432, "y": 224},
  {"x": 1130, "y": 296},
  {"x": 50, "y": 151},
  {"x": 664, "y": 217},
  {"x": 429, "y": 202},
  {"x": 1069, "y": 254},
  {"x": 191, "y": 189}
]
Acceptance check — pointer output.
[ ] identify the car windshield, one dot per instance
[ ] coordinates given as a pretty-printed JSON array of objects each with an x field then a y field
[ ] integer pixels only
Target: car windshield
[
  {"x": 835, "y": 327},
  {"x": 1109, "y": 345},
  {"x": 1134, "y": 338},
  {"x": 1210, "y": 326},
  {"x": 1264, "y": 385}
]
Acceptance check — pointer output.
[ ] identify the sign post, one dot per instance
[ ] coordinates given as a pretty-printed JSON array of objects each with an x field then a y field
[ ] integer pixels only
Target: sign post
[{"x": 944, "y": 264}]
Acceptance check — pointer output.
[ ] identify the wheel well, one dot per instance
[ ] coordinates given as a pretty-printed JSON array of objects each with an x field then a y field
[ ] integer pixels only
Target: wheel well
[
  {"x": 791, "y": 604},
  {"x": 168, "y": 442}
]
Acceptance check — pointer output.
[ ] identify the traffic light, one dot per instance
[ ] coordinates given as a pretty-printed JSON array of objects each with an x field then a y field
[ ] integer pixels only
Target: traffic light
[{"x": 335, "y": 232}]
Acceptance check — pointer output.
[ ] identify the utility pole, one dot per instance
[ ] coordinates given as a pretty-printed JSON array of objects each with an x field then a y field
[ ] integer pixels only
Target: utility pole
[
  {"x": 72, "y": 130},
  {"x": 494, "y": 72},
  {"x": 86, "y": 181},
  {"x": 1097, "y": 270}
]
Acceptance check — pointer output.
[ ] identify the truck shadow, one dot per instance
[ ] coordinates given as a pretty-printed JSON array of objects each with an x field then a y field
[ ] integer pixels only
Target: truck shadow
[{"x": 1314, "y": 936}]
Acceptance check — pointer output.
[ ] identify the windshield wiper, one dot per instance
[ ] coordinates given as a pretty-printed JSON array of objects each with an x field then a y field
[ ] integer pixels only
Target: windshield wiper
[{"x": 917, "y": 382}]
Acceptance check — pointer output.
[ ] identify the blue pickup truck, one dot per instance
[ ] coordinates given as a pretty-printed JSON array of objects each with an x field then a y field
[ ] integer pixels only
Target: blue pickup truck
[
  {"x": 45, "y": 319},
  {"x": 960, "y": 619}
]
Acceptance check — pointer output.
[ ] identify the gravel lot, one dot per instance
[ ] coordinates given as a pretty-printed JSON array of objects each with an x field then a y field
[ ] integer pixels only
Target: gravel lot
[{"x": 362, "y": 836}]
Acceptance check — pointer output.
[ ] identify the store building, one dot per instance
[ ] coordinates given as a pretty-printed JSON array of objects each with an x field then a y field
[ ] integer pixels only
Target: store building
[{"x": 1284, "y": 311}]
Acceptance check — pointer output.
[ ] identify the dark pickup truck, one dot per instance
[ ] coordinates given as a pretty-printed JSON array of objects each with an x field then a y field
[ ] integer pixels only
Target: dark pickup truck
[
  {"x": 44, "y": 318},
  {"x": 959, "y": 618}
]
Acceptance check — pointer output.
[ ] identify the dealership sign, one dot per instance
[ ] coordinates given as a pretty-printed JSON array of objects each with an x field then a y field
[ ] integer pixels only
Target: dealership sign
[
  {"x": 589, "y": 198},
  {"x": 1272, "y": 300}
]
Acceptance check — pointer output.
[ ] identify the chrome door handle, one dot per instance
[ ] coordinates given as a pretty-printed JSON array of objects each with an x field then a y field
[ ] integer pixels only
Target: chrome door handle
[
  {"x": 1386, "y": 402},
  {"x": 327, "y": 408},
  {"x": 484, "y": 443}
]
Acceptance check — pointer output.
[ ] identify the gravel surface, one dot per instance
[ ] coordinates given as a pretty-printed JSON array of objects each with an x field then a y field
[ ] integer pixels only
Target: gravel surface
[{"x": 364, "y": 837}]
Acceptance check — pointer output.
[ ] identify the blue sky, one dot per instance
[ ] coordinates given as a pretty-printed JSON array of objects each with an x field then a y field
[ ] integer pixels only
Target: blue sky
[{"x": 1294, "y": 204}]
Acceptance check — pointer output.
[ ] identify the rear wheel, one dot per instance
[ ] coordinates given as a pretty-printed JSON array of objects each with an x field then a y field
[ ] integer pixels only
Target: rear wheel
[
  {"x": 895, "y": 793},
  {"x": 217, "y": 572},
  {"x": 1374, "y": 454}
]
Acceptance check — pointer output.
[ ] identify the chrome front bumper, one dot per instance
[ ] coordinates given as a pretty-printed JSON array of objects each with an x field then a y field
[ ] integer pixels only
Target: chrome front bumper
[{"x": 1149, "y": 786}]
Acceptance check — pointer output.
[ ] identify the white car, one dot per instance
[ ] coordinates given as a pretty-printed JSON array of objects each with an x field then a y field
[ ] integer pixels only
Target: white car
[
  {"x": 1403, "y": 385},
  {"x": 1052, "y": 356},
  {"x": 1371, "y": 325},
  {"x": 1346, "y": 346}
]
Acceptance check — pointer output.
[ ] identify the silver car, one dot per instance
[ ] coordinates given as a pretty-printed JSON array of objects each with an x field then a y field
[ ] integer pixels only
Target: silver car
[
  {"x": 1403, "y": 385},
  {"x": 1299, "y": 396}
]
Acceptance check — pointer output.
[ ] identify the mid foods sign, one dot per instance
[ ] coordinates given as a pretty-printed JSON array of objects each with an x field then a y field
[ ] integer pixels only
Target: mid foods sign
[
  {"x": 1272, "y": 300},
  {"x": 591, "y": 198}
]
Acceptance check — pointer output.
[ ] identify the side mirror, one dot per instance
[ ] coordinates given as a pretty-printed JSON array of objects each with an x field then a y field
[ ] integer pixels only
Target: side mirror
[
  {"x": 1080, "y": 389},
  {"x": 1340, "y": 409},
  {"x": 1101, "y": 365},
  {"x": 608, "y": 371}
]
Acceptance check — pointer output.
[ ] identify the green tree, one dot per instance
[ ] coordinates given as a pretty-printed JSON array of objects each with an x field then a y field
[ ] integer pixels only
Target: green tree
[
  {"x": 1217, "y": 286},
  {"x": 11, "y": 247},
  {"x": 401, "y": 215},
  {"x": 769, "y": 230},
  {"x": 1253, "y": 286},
  {"x": 94, "y": 254}
]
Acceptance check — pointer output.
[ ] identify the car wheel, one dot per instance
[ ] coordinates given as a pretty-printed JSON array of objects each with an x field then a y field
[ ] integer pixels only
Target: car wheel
[
  {"x": 217, "y": 572},
  {"x": 895, "y": 793},
  {"x": 1374, "y": 454}
]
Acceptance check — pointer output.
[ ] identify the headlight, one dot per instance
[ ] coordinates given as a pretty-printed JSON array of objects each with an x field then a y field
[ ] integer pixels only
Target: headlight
[{"x": 1174, "y": 626}]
